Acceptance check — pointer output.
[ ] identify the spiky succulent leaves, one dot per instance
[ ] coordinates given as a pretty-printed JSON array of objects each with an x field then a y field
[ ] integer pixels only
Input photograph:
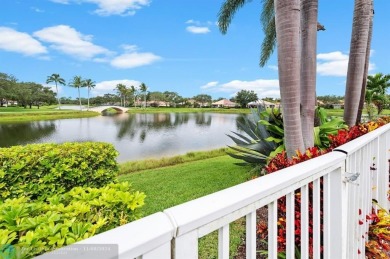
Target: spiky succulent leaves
[{"x": 252, "y": 146}]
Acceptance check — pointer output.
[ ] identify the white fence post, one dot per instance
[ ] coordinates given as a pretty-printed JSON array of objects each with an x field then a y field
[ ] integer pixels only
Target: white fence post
[{"x": 335, "y": 214}]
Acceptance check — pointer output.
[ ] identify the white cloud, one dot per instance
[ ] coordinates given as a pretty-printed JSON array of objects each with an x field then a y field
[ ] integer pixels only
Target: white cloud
[
  {"x": 134, "y": 59},
  {"x": 61, "y": 1},
  {"x": 36, "y": 9},
  {"x": 273, "y": 67},
  {"x": 69, "y": 41},
  {"x": 335, "y": 64},
  {"x": 198, "y": 29},
  {"x": 262, "y": 87},
  {"x": 20, "y": 42},
  {"x": 209, "y": 85},
  {"x": 105, "y": 87},
  {"x": 112, "y": 7}
]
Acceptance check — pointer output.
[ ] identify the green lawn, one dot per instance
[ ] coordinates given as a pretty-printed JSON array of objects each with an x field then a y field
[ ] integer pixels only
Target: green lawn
[
  {"x": 169, "y": 186},
  {"x": 20, "y": 114},
  {"x": 182, "y": 110}
]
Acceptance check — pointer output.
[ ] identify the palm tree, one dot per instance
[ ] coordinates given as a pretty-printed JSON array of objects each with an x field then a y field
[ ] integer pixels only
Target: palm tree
[
  {"x": 309, "y": 25},
  {"x": 57, "y": 80},
  {"x": 77, "y": 82},
  {"x": 357, "y": 59},
  {"x": 89, "y": 84},
  {"x": 121, "y": 89},
  {"x": 366, "y": 65},
  {"x": 293, "y": 95},
  {"x": 133, "y": 91},
  {"x": 287, "y": 21},
  {"x": 377, "y": 86},
  {"x": 143, "y": 88},
  {"x": 227, "y": 12}
]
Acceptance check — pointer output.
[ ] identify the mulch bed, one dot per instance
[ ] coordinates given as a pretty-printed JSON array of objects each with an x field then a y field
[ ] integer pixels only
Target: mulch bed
[{"x": 261, "y": 218}]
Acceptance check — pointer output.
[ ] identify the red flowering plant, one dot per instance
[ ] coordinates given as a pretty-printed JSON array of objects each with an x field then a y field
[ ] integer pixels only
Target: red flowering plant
[{"x": 281, "y": 161}]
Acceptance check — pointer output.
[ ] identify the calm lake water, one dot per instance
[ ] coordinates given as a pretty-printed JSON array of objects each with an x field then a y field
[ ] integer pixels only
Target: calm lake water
[{"x": 135, "y": 136}]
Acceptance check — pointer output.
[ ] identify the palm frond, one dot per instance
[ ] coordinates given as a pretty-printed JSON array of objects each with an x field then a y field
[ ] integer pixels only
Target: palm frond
[{"x": 227, "y": 12}]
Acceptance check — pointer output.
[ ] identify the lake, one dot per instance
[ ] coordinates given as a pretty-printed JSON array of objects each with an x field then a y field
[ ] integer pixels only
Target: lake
[{"x": 135, "y": 136}]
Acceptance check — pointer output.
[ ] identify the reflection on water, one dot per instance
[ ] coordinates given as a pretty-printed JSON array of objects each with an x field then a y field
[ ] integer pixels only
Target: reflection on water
[
  {"x": 135, "y": 136},
  {"x": 23, "y": 133}
]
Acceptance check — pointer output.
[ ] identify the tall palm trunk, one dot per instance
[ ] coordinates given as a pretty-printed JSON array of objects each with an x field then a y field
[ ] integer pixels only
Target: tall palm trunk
[
  {"x": 309, "y": 10},
  {"x": 366, "y": 65},
  {"x": 357, "y": 59},
  {"x": 58, "y": 98},
  {"x": 144, "y": 100},
  {"x": 78, "y": 88},
  {"x": 88, "y": 97},
  {"x": 287, "y": 18}
]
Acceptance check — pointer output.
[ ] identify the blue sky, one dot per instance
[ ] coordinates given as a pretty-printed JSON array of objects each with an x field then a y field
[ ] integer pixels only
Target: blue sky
[{"x": 170, "y": 45}]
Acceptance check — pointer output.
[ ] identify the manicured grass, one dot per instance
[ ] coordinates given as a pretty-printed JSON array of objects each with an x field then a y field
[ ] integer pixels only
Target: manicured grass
[
  {"x": 169, "y": 186},
  {"x": 19, "y": 114},
  {"x": 186, "y": 110},
  {"x": 135, "y": 166}
]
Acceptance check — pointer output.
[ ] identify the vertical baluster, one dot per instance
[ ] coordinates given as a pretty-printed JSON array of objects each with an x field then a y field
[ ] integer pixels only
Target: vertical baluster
[
  {"x": 186, "y": 246},
  {"x": 290, "y": 225},
  {"x": 316, "y": 218},
  {"x": 251, "y": 235},
  {"x": 334, "y": 215},
  {"x": 223, "y": 242},
  {"x": 305, "y": 221},
  {"x": 272, "y": 230}
]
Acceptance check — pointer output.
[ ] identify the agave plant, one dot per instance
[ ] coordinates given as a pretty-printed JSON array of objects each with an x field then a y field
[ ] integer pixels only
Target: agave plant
[
  {"x": 256, "y": 146},
  {"x": 265, "y": 134}
]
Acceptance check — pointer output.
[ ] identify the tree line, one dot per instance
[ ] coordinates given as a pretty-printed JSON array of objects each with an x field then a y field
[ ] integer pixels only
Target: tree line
[{"x": 26, "y": 94}]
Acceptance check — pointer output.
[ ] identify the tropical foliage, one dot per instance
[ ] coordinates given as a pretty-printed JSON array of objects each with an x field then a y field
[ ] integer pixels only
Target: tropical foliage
[
  {"x": 376, "y": 89},
  {"x": 29, "y": 228},
  {"x": 264, "y": 135}
]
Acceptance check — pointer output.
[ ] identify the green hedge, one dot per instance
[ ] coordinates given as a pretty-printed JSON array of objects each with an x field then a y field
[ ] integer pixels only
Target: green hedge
[
  {"x": 39, "y": 171},
  {"x": 29, "y": 228}
]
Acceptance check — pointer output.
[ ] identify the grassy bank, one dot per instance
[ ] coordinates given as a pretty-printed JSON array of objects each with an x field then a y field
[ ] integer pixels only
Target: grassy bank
[
  {"x": 135, "y": 166},
  {"x": 18, "y": 114},
  {"x": 186, "y": 110},
  {"x": 172, "y": 185}
]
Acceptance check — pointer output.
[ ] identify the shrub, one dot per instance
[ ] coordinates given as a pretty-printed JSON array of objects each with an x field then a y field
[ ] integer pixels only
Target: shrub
[
  {"x": 39, "y": 171},
  {"x": 29, "y": 228}
]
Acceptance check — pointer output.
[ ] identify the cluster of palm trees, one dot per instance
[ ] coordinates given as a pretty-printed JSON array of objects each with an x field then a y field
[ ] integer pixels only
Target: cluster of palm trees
[
  {"x": 376, "y": 93},
  {"x": 76, "y": 82},
  {"x": 292, "y": 26},
  {"x": 124, "y": 91}
]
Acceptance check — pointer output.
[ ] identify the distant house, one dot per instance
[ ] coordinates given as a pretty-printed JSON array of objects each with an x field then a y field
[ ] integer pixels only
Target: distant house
[
  {"x": 224, "y": 103},
  {"x": 264, "y": 104}
]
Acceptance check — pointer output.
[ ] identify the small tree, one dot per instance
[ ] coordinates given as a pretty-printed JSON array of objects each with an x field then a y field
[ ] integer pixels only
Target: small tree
[
  {"x": 77, "y": 82},
  {"x": 143, "y": 88},
  {"x": 57, "y": 80},
  {"x": 89, "y": 84},
  {"x": 244, "y": 97}
]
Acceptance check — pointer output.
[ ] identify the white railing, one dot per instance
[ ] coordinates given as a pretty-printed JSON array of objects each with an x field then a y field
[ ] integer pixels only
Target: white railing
[{"x": 174, "y": 233}]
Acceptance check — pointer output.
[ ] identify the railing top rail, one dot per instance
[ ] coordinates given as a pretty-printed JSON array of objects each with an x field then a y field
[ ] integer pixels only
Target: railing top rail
[
  {"x": 358, "y": 143},
  {"x": 196, "y": 213},
  {"x": 133, "y": 239}
]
